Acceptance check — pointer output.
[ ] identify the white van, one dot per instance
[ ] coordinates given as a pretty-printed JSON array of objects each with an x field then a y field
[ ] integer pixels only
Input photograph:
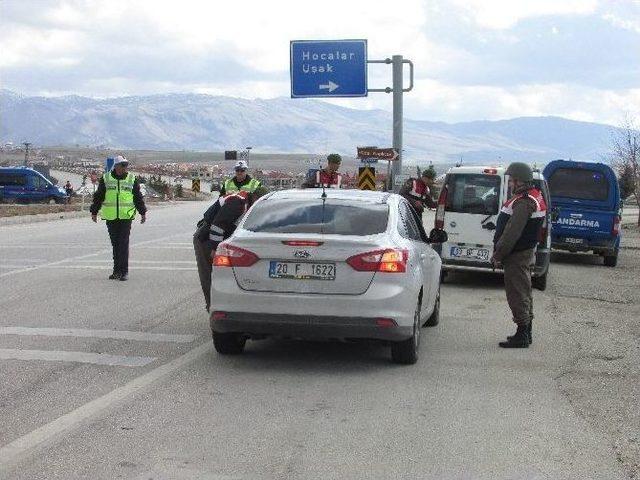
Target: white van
[{"x": 468, "y": 209}]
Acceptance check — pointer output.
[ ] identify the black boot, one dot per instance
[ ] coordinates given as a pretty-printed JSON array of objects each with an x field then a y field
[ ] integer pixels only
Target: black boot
[
  {"x": 124, "y": 277},
  {"x": 114, "y": 276},
  {"x": 519, "y": 340},
  {"x": 529, "y": 333}
]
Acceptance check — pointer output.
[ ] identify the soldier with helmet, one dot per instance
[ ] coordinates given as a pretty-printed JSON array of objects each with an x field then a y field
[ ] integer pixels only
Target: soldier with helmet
[
  {"x": 517, "y": 232},
  {"x": 327, "y": 177},
  {"x": 418, "y": 191}
]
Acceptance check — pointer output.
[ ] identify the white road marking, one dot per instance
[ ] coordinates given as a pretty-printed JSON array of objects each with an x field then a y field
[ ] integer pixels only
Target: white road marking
[
  {"x": 19, "y": 448},
  {"x": 81, "y": 257},
  {"x": 108, "y": 267},
  {"x": 86, "y": 333},
  {"x": 164, "y": 262},
  {"x": 76, "y": 357}
]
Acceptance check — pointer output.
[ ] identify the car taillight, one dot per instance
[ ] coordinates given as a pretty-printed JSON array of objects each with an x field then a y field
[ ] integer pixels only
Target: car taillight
[
  {"x": 615, "y": 229},
  {"x": 491, "y": 171},
  {"x": 442, "y": 200},
  {"x": 390, "y": 260},
  {"x": 229, "y": 256},
  {"x": 218, "y": 316}
]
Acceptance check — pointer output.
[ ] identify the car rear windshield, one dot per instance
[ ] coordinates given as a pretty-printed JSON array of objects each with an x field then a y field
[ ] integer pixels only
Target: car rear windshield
[
  {"x": 579, "y": 184},
  {"x": 473, "y": 193},
  {"x": 313, "y": 216}
]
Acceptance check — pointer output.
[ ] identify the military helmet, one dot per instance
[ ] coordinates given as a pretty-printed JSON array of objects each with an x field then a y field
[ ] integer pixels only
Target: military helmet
[
  {"x": 334, "y": 158},
  {"x": 428, "y": 173},
  {"x": 520, "y": 171}
]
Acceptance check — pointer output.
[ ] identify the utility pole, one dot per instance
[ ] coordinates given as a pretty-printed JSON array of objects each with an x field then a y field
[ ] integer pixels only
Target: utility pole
[{"x": 26, "y": 152}]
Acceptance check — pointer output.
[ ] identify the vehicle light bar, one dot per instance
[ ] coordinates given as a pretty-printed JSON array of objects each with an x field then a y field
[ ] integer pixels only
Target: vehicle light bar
[{"x": 302, "y": 243}]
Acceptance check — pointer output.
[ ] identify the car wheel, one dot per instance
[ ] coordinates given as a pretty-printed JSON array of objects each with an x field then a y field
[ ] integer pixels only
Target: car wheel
[
  {"x": 611, "y": 260},
  {"x": 229, "y": 343},
  {"x": 434, "y": 318},
  {"x": 406, "y": 352},
  {"x": 52, "y": 201},
  {"x": 540, "y": 282}
]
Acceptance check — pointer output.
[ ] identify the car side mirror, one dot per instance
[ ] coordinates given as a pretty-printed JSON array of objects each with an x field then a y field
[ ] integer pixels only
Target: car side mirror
[{"x": 438, "y": 236}]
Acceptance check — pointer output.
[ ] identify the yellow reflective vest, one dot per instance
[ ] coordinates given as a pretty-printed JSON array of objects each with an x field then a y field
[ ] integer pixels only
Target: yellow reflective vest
[
  {"x": 118, "y": 199},
  {"x": 231, "y": 187}
]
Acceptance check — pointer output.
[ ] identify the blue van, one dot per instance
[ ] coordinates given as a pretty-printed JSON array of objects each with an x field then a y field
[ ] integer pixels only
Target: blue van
[
  {"x": 25, "y": 185},
  {"x": 586, "y": 208}
]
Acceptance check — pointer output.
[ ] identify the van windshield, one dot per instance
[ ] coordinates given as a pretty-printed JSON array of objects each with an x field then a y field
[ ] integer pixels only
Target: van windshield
[
  {"x": 473, "y": 193},
  {"x": 579, "y": 184}
]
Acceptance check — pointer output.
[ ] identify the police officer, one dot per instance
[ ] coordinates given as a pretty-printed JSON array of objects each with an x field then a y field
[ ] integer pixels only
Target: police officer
[
  {"x": 517, "y": 230},
  {"x": 328, "y": 177},
  {"x": 117, "y": 199},
  {"x": 237, "y": 194},
  {"x": 418, "y": 191},
  {"x": 240, "y": 181}
]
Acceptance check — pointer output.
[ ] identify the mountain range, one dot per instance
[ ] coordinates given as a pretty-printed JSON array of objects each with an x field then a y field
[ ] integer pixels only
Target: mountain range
[{"x": 284, "y": 125}]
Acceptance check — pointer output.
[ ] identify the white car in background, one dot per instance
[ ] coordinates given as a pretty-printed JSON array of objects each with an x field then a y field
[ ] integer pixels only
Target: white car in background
[{"x": 344, "y": 265}]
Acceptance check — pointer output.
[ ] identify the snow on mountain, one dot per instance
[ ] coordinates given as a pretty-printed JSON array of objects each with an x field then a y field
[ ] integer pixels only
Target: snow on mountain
[{"x": 203, "y": 122}]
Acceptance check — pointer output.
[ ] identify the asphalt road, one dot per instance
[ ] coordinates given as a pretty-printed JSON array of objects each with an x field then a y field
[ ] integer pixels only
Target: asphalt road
[{"x": 104, "y": 379}]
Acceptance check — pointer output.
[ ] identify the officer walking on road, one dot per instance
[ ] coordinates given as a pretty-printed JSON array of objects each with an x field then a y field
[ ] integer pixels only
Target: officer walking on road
[
  {"x": 117, "y": 199},
  {"x": 517, "y": 232},
  {"x": 418, "y": 191}
]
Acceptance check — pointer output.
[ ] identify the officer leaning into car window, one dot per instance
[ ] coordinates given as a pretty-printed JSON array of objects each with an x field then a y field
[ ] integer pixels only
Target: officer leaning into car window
[
  {"x": 117, "y": 199},
  {"x": 517, "y": 232},
  {"x": 418, "y": 191},
  {"x": 237, "y": 194}
]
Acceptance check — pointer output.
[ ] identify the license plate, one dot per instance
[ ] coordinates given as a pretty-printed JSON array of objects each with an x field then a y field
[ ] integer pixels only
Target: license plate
[
  {"x": 470, "y": 252},
  {"x": 574, "y": 240},
  {"x": 302, "y": 270}
]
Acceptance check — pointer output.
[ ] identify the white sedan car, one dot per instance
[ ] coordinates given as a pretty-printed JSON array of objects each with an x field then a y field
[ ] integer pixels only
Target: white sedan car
[{"x": 343, "y": 265}]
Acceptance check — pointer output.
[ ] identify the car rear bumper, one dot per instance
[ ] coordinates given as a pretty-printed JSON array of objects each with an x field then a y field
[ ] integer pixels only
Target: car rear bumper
[
  {"x": 306, "y": 327},
  {"x": 315, "y": 315}
]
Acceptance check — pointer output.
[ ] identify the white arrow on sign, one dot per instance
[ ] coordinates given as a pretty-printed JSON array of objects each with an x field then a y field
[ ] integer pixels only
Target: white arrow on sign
[{"x": 329, "y": 86}]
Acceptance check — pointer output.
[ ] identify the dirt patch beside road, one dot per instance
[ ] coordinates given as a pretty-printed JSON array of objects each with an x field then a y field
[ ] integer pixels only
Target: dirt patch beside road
[
  {"x": 602, "y": 381},
  {"x": 15, "y": 210}
]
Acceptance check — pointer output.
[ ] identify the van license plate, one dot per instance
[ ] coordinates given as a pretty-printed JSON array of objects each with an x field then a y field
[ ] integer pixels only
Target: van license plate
[
  {"x": 302, "y": 270},
  {"x": 470, "y": 252},
  {"x": 574, "y": 240}
]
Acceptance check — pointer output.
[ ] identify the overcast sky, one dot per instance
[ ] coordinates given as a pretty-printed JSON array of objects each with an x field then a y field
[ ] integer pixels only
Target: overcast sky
[{"x": 474, "y": 59}]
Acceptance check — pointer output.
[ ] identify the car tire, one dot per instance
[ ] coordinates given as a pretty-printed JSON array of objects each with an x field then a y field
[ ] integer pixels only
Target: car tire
[
  {"x": 406, "y": 351},
  {"x": 52, "y": 201},
  {"x": 540, "y": 282},
  {"x": 434, "y": 318},
  {"x": 611, "y": 260},
  {"x": 229, "y": 343}
]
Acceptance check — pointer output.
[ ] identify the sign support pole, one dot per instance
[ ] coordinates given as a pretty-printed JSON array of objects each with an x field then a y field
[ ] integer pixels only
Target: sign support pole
[
  {"x": 397, "y": 116},
  {"x": 397, "y": 62}
]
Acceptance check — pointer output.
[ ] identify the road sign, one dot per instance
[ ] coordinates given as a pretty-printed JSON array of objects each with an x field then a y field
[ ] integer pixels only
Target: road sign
[
  {"x": 369, "y": 160},
  {"x": 367, "y": 178},
  {"x": 381, "y": 153},
  {"x": 195, "y": 185},
  {"x": 231, "y": 155},
  {"x": 334, "y": 68}
]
